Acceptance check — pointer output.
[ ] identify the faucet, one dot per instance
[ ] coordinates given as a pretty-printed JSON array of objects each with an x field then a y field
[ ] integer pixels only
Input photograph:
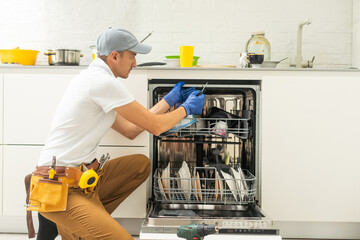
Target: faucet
[{"x": 299, "y": 58}]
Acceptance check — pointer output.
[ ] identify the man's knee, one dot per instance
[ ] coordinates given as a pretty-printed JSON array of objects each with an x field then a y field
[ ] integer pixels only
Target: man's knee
[{"x": 144, "y": 165}]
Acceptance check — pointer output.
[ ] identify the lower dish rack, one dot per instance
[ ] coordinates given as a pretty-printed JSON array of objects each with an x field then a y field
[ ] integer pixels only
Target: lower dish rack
[{"x": 207, "y": 185}]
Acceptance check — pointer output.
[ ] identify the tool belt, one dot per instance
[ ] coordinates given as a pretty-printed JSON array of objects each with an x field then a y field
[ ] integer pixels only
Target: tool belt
[{"x": 50, "y": 195}]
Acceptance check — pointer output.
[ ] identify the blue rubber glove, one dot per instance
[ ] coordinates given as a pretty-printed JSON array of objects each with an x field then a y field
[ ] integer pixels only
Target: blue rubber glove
[
  {"x": 185, "y": 93},
  {"x": 178, "y": 94},
  {"x": 174, "y": 96},
  {"x": 194, "y": 104}
]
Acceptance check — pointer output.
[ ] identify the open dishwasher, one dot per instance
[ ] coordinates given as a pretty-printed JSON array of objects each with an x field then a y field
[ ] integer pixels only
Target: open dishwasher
[{"x": 207, "y": 168}]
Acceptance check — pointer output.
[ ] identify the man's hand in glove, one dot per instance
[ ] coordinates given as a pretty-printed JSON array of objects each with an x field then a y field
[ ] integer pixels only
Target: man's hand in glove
[
  {"x": 178, "y": 94},
  {"x": 194, "y": 104}
]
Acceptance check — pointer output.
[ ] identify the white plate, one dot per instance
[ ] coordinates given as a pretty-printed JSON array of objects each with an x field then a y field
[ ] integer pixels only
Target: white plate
[
  {"x": 197, "y": 187},
  {"x": 239, "y": 178},
  {"x": 266, "y": 64},
  {"x": 218, "y": 186},
  {"x": 165, "y": 179},
  {"x": 185, "y": 181},
  {"x": 244, "y": 183},
  {"x": 172, "y": 62},
  {"x": 231, "y": 183},
  {"x": 256, "y": 65},
  {"x": 161, "y": 187}
]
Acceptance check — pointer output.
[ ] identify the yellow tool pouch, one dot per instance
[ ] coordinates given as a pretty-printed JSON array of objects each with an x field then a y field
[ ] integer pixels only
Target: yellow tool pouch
[
  {"x": 47, "y": 195},
  {"x": 50, "y": 195}
]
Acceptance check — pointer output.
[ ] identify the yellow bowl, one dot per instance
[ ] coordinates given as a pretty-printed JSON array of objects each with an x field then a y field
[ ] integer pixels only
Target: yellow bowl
[{"x": 18, "y": 56}]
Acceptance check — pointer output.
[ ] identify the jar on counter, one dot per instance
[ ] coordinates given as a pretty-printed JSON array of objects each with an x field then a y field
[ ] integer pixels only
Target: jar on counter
[
  {"x": 94, "y": 52},
  {"x": 258, "y": 44}
]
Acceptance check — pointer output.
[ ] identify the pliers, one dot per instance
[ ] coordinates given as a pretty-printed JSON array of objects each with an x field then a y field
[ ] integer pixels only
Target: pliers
[{"x": 104, "y": 158}]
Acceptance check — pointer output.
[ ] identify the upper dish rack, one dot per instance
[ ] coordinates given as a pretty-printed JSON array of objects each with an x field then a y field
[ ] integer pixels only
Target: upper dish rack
[{"x": 219, "y": 127}]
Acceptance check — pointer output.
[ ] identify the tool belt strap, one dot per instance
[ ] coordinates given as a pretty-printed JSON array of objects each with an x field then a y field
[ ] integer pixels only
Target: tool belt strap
[
  {"x": 29, "y": 220},
  {"x": 71, "y": 173}
]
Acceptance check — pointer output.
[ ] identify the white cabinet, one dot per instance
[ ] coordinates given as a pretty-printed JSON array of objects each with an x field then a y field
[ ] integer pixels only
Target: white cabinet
[
  {"x": 310, "y": 148},
  {"x": 1, "y": 106},
  {"x": 138, "y": 86},
  {"x": 30, "y": 102},
  {"x": 135, "y": 205},
  {"x": 21, "y": 160},
  {"x": 1, "y": 136},
  {"x": 1, "y": 177},
  {"x": 18, "y": 162}
]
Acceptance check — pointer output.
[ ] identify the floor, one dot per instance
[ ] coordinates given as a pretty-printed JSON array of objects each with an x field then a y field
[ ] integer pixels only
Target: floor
[{"x": 24, "y": 237}]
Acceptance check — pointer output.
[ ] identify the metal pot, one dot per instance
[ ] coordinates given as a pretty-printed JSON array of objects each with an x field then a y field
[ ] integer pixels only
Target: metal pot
[{"x": 64, "y": 57}]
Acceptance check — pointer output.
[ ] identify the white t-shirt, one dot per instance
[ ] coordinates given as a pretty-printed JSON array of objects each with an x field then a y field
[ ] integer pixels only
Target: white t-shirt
[{"x": 84, "y": 115}]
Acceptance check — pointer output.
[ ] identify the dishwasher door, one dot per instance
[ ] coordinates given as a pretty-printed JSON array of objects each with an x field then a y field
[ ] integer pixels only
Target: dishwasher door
[{"x": 213, "y": 158}]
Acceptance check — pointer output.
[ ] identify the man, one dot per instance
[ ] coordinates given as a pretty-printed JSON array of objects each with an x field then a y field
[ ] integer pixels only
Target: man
[{"x": 95, "y": 101}]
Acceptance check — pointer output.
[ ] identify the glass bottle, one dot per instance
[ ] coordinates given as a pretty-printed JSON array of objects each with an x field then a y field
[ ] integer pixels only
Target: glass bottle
[
  {"x": 258, "y": 44},
  {"x": 94, "y": 52}
]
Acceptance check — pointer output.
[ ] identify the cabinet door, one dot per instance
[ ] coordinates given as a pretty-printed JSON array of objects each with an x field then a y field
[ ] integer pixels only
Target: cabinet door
[
  {"x": 310, "y": 148},
  {"x": 1, "y": 177},
  {"x": 30, "y": 102},
  {"x": 137, "y": 85},
  {"x": 1, "y": 106},
  {"x": 135, "y": 205},
  {"x": 18, "y": 161},
  {"x": 1, "y": 136},
  {"x": 21, "y": 160}
]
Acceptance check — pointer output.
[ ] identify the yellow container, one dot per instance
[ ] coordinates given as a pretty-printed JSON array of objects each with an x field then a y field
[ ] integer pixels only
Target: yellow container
[
  {"x": 186, "y": 56},
  {"x": 18, "y": 56}
]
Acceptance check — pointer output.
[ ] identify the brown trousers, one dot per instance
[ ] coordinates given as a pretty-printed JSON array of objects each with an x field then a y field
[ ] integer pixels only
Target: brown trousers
[{"x": 88, "y": 215}]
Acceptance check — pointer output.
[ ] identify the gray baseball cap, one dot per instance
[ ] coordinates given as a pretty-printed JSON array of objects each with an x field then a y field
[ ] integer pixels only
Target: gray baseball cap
[{"x": 116, "y": 39}]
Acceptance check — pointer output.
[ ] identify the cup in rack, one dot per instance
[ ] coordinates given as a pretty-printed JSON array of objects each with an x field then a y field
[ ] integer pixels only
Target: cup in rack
[{"x": 220, "y": 128}]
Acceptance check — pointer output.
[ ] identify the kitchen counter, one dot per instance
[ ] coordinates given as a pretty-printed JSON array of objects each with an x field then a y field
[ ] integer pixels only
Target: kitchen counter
[
  {"x": 161, "y": 72},
  {"x": 252, "y": 69},
  {"x": 8, "y": 66}
]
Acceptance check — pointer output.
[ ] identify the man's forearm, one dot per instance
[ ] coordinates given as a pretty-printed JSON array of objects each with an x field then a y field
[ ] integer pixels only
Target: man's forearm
[
  {"x": 132, "y": 130},
  {"x": 160, "y": 107}
]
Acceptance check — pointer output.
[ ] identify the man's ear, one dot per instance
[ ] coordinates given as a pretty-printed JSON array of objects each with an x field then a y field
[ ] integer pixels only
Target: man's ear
[{"x": 113, "y": 55}]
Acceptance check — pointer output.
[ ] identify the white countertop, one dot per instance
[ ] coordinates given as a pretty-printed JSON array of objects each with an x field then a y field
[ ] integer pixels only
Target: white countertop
[
  {"x": 10, "y": 66},
  {"x": 163, "y": 72}
]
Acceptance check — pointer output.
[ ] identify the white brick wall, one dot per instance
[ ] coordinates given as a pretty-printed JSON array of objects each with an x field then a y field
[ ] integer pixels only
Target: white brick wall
[
  {"x": 219, "y": 30},
  {"x": 356, "y": 34}
]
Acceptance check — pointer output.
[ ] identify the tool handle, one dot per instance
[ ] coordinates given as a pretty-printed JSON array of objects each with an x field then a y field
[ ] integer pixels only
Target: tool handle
[
  {"x": 52, "y": 171},
  {"x": 53, "y": 163}
]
